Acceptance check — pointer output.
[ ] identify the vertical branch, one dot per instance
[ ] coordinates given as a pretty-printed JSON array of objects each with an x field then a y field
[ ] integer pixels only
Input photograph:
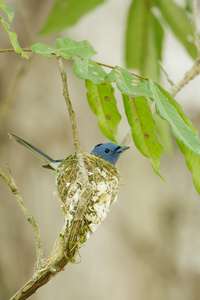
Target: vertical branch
[{"x": 69, "y": 106}]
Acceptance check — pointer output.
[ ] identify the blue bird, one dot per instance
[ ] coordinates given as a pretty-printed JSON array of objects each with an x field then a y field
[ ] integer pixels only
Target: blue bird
[{"x": 107, "y": 151}]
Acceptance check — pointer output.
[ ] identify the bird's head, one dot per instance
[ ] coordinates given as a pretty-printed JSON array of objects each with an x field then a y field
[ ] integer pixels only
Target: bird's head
[{"x": 108, "y": 151}]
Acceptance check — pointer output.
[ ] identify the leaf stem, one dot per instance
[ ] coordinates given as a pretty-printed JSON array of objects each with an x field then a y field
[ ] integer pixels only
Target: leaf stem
[
  {"x": 12, "y": 50},
  {"x": 111, "y": 67},
  {"x": 99, "y": 63}
]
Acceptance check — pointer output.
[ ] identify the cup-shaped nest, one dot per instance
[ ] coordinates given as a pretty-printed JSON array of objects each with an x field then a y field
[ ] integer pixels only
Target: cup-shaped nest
[{"x": 86, "y": 190}]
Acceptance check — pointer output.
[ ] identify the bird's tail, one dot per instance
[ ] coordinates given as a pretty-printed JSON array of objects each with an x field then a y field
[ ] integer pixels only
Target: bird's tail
[{"x": 47, "y": 159}]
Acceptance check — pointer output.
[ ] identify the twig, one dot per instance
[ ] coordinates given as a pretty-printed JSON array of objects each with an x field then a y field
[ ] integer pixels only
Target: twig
[
  {"x": 111, "y": 67},
  {"x": 40, "y": 278},
  {"x": 78, "y": 150},
  {"x": 14, "y": 189},
  {"x": 99, "y": 63},
  {"x": 69, "y": 106},
  {"x": 165, "y": 72},
  {"x": 12, "y": 50},
  {"x": 191, "y": 74}
]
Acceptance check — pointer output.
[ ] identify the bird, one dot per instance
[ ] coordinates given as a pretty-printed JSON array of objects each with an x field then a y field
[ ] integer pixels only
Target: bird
[{"x": 107, "y": 151}]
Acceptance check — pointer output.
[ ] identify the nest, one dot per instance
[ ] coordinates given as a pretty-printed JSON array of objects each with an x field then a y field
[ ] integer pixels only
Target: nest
[{"x": 86, "y": 194}]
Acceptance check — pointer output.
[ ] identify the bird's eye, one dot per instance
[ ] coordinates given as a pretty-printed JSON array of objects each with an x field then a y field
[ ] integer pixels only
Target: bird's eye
[{"x": 107, "y": 150}]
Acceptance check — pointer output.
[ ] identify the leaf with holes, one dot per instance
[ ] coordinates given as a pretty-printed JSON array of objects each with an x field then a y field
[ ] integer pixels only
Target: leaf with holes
[
  {"x": 143, "y": 129},
  {"x": 127, "y": 83},
  {"x": 180, "y": 23},
  {"x": 88, "y": 69},
  {"x": 69, "y": 48},
  {"x": 44, "y": 50},
  {"x": 103, "y": 104}
]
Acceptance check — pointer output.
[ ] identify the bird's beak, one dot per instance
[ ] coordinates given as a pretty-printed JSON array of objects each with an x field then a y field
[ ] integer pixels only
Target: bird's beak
[{"x": 121, "y": 149}]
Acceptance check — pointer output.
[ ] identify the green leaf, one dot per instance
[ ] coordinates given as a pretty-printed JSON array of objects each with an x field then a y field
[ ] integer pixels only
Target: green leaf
[
  {"x": 144, "y": 38},
  {"x": 69, "y": 48},
  {"x": 188, "y": 6},
  {"x": 193, "y": 163},
  {"x": 153, "y": 48},
  {"x": 88, "y": 69},
  {"x": 66, "y": 13},
  {"x": 168, "y": 111},
  {"x": 163, "y": 132},
  {"x": 192, "y": 160},
  {"x": 103, "y": 104},
  {"x": 8, "y": 10},
  {"x": 143, "y": 129},
  {"x": 179, "y": 23},
  {"x": 127, "y": 83},
  {"x": 12, "y": 35},
  {"x": 136, "y": 34},
  {"x": 178, "y": 108},
  {"x": 13, "y": 38},
  {"x": 42, "y": 49}
]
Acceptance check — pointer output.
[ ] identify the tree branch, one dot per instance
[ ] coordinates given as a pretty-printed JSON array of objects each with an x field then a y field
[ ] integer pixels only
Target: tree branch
[
  {"x": 166, "y": 74},
  {"x": 191, "y": 74},
  {"x": 85, "y": 203},
  {"x": 14, "y": 189}
]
